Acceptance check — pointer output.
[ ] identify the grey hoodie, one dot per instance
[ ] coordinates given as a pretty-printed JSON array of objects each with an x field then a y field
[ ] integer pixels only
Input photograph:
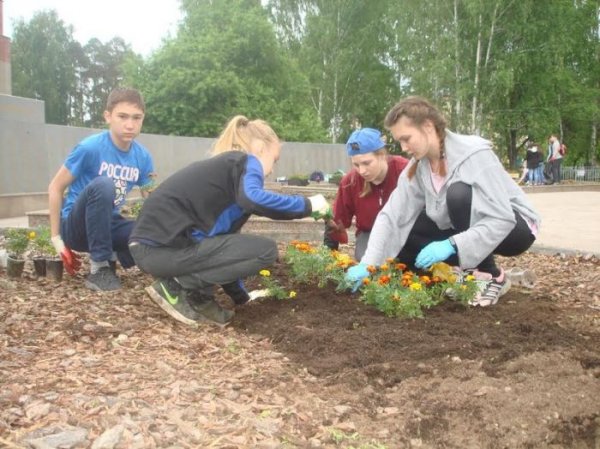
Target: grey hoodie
[{"x": 470, "y": 159}]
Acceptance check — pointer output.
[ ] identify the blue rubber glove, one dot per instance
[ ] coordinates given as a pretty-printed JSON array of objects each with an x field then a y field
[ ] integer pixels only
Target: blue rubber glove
[
  {"x": 434, "y": 252},
  {"x": 356, "y": 274}
]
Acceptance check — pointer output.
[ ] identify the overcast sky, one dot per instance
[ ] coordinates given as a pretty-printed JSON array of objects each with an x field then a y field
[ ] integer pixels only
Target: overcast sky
[{"x": 141, "y": 23}]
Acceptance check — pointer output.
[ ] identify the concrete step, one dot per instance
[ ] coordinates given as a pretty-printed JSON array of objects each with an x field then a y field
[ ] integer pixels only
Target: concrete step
[{"x": 280, "y": 230}]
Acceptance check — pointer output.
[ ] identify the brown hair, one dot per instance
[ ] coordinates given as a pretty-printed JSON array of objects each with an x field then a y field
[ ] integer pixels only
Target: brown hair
[
  {"x": 125, "y": 95},
  {"x": 240, "y": 131},
  {"x": 418, "y": 110}
]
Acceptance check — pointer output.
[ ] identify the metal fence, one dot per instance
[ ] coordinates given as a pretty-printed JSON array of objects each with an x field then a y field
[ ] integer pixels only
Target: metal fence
[{"x": 591, "y": 174}]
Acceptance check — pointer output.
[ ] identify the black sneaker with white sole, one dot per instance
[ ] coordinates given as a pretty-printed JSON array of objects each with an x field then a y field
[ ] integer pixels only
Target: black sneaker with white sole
[
  {"x": 208, "y": 309},
  {"x": 103, "y": 280},
  {"x": 173, "y": 299}
]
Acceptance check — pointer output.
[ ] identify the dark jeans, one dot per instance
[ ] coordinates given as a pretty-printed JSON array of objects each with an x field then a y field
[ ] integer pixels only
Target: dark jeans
[
  {"x": 93, "y": 227},
  {"x": 459, "y": 198},
  {"x": 216, "y": 260},
  {"x": 555, "y": 170}
]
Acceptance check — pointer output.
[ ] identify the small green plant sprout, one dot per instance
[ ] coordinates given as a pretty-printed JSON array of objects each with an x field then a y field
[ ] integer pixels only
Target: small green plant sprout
[
  {"x": 320, "y": 216},
  {"x": 42, "y": 244},
  {"x": 17, "y": 241},
  {"x": 274, "y": 288}
]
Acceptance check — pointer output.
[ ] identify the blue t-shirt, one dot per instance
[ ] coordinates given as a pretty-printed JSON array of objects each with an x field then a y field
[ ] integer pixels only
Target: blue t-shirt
[{"x": 97, "y": 155}]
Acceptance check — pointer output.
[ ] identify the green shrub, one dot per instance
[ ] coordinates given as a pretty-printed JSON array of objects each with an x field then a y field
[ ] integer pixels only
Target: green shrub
[
  {"x": 17, "y": 241},
  {"x": 41, "y": 242}
]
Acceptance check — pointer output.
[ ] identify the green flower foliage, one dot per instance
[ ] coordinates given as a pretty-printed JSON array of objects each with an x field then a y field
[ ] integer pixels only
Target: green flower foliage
[
  {"x": 390, "y": 288},
  {"x": 17, "y": 242}
]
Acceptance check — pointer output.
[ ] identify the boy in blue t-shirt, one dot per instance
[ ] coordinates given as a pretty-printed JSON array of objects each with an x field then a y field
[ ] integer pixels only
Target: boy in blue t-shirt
[{"x": 100, "y": 172}]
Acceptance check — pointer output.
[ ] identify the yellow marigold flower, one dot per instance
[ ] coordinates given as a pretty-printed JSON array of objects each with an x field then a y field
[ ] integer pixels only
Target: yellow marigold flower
[
  {"x": 31, "y": 235},
  {"x": 384, "y": 267},
  {"x": 265, "y": 273},
  {"x": 463, "y": 287},
  {"x": 415, "y": 286},
  {"x": 366, "y": 281},
  {"x": 292, "y": 294},
  {"x": 470, "y": 277}
]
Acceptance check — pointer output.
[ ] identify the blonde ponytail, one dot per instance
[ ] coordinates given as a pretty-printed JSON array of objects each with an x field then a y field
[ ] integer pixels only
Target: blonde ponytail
[{"x": 240, "y": 132}]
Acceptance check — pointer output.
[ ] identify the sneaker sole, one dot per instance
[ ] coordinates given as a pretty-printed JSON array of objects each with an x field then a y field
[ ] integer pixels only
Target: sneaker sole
[{"x": 160, "y": 301}]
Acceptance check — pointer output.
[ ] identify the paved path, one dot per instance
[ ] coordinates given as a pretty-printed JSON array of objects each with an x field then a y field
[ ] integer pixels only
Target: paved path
[{"x": 570, "y": 220}]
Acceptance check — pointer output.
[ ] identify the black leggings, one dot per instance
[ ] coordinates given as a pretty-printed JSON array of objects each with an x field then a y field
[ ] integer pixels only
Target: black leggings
[{"x": 458, "y": 199}]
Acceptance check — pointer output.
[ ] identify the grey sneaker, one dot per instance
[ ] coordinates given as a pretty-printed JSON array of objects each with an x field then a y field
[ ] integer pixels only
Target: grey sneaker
[
  {"x": 237, "y": 292},
  {"x": 490, "y": 288},
  {"x": 172, "y": 298},
  {"x": 103, "y": 280},
  {"x": 208, "y": 309}
]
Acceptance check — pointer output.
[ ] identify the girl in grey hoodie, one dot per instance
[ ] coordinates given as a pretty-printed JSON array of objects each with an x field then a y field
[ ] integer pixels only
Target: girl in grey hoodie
[{"x": 454, "y": 202}]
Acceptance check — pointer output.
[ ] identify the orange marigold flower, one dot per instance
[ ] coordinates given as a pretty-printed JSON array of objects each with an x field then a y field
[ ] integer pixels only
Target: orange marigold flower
[
  {"x": 437, "y": 279},
  {"x": 400, "y": 266},
  {"x": 366, "y": 281},
  {"x": 390, "y": 260},
  {"x": 405, "y": 282},
  {"x": 383, "y": 280},
  {"x": 384, "y": 267},
  {"x": 426, "y": 280},
  {"x": 371, "y": 269}
]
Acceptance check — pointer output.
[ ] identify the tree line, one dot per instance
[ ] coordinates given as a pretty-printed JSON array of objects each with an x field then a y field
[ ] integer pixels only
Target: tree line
[{"x": 317, "y": 69}]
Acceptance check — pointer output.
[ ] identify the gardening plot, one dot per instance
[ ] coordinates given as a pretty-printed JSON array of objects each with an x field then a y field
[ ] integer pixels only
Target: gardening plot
[{"x": 320, "y": 369}]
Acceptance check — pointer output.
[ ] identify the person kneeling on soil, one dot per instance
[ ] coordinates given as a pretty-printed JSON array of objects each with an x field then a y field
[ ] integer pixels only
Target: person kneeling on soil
[
  {"x": 454, "y": 203},
  {"x": 187, "y": 233},
  {"x": 364, "y": 190}
]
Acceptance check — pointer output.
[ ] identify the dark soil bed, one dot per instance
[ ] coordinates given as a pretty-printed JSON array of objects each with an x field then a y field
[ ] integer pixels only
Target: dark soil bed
[{"x": 319, "y": 370}]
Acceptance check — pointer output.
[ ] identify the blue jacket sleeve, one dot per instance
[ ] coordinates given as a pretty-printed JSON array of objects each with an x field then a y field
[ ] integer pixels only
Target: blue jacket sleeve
[{"x": 254, "y": 199}]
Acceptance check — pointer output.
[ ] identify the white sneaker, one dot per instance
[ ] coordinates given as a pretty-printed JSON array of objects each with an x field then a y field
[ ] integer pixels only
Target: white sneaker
[{"x": 490, "y": 288}]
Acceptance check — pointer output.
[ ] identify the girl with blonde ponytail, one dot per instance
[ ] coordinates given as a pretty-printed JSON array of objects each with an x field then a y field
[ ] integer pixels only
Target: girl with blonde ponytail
[{"x": 188, "y": 232}]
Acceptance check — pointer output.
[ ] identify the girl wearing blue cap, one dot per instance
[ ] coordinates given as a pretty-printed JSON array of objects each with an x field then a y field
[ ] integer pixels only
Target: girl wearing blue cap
[
  {"x": 455, "y": 202},
  {"x": 364, "y": 190}
]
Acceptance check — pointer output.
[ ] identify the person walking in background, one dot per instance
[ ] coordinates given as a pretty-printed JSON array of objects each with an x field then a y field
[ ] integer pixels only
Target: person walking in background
[
  {"x": 455, "y": 202},
  {"x": 187, "y": 233},
  {"x": 533, "y": 159},
  {"x": 554, "y": 160},
  {"x": 364, "y": 190},
  {"x": 100, "y": 172}
]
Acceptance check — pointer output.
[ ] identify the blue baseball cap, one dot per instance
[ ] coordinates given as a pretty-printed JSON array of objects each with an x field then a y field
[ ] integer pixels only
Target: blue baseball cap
[{"x": 364, "y": 140}]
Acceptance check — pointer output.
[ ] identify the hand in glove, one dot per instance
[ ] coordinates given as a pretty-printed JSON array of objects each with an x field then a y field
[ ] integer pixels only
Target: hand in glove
[
  {"x": 336, "y": 231},
  {"x": 434, "y": 252},
  {"x": 319, "y": 206},
  {"x": 356, "y": 274},
  {"x": 71, "y": 261}
]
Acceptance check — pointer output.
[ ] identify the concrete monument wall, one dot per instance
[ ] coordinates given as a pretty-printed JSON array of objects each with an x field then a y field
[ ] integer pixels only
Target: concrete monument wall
[{"x": 31, "y": 152}]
